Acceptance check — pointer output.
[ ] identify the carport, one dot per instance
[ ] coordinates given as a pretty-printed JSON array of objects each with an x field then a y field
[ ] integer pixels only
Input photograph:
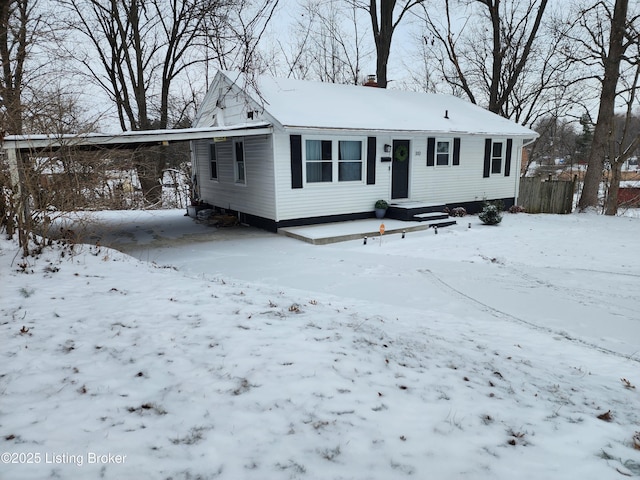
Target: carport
[{"x": 16, "y": 146}]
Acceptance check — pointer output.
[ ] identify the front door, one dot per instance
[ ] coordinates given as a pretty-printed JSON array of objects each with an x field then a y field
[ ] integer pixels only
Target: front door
[{"x": 400, "y": 169}]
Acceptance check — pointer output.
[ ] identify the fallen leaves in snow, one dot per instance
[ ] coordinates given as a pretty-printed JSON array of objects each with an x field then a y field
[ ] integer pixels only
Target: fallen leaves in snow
[{"x": 190, "y": 379}]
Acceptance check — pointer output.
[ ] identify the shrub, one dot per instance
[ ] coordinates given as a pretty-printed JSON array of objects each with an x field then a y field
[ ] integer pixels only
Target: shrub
[
  {"x": 516, "y": 209},
  {"x": 491, "y": 214},
  {"x": 458, "y": 212},
  {"x": 382, "y": 204}
]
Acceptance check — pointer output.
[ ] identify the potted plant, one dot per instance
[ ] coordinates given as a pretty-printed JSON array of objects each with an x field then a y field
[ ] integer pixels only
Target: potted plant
[{"x": 381, "y": 208}]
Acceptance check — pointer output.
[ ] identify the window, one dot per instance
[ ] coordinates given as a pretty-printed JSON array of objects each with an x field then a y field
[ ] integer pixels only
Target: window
[
  {"x": 319, "y": 161},
  {"x": 328, "y": 160},
  {"x": 496, "y": 157},
  {"x": 238, "y": 161},
  {"x": 349, "y": 161},
  {"x": 213, "y": 161},
  {"x": 443, "y": 152}
]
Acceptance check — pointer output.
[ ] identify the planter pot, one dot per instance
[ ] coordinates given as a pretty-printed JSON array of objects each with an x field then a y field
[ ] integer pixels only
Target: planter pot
[{"x": 381, "y": 212}]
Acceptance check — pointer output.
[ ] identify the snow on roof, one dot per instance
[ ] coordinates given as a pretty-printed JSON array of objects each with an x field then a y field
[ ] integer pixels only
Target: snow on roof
[
  {"x": 131, "y": 136},
  {"x": 298, "y": 103}
]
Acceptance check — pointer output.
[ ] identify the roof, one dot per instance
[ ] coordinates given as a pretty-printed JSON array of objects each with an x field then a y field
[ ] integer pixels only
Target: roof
[
  {"x": 131, "y": 139},
  {"x": 298, "y": 103}
]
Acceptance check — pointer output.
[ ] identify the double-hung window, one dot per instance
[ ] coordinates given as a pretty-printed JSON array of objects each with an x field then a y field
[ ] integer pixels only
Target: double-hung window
[
  {"x": 497, "y": 155},
  {"x": 238, "y": 161},
  {"x": 443, "y": 152},
  {"x": 319, "y": 161},
  {"x": 213, "y": 161},
  {"x": 349, "y": 161}
]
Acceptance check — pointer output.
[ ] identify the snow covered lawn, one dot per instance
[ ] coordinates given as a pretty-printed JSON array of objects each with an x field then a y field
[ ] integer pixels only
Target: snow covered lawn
[{"x": 482, "y": 353}]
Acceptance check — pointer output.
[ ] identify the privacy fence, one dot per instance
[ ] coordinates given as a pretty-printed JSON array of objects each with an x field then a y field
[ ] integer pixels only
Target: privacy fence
[{"x": 546, "y": 196}]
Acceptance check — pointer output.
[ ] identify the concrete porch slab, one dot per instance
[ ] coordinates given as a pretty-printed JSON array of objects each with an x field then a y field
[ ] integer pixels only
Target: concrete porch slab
[{"x": 323, "y": 234}]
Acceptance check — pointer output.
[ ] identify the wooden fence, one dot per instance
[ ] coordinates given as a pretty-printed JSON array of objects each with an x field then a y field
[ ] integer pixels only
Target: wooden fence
[
  {"x": 546, "y": 196},
  {"x": 629, "y": 197}
]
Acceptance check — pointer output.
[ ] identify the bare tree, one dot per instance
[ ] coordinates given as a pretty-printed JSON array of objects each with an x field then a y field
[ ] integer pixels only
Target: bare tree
[
  {"x": 141, "y": 47},
  {"x": 328, "y": 44},
  {"x": 385, "y": 18},
  {"x": 626, "y": 140},
  {"x": 21, "y": 26},
  {"x": 22, "y": 30},
  {"x": 234, "y": 34},
  {"x": 605, "y": 41},
  {"x": 490, "y": 51},
  {"x": 556, "y": 144}
]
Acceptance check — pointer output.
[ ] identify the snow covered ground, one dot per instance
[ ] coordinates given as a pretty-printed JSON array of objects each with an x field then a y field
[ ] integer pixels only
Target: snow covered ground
[{"x": 480, "y": 353}]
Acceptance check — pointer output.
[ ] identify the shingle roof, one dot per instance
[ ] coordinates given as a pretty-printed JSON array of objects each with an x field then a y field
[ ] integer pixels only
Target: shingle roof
[{"x": 297, "y": 103}]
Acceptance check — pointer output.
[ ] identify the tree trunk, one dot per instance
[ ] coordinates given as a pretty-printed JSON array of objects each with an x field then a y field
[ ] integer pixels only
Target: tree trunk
[
  {"x": 383, "y": 40},
  {"x": 603, "y": 133},
  {"x": 614, "y": 187},
  {"x": 149, "y": 164}
]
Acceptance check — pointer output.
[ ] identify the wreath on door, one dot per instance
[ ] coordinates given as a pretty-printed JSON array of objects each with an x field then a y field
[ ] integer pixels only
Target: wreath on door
[{"x": 401, "y": 153}]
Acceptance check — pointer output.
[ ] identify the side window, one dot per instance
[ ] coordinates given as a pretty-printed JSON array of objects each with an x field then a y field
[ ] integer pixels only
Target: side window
[
  {"x": 213, "y": 161},
  {"x": 497, "y": 154},
  {"x": 349, "y": 161},
  {"x": 238, "y": 161},
  {"x": 319, "y": 160}
]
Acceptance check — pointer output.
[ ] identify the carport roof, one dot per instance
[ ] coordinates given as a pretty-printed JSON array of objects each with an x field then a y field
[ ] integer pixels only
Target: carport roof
[{"x": 130, "y": 139}]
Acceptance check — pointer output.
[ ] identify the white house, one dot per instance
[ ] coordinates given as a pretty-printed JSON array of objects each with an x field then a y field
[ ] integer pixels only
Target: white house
[{"x": 291, "y": 152}]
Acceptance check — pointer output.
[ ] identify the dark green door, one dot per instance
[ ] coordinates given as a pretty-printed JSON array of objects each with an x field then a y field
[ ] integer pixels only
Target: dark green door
[{"x": 400, "y": 169}]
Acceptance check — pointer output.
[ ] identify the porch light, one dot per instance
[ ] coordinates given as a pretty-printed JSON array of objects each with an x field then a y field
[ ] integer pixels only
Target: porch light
[{"x": 387, "y": 148}]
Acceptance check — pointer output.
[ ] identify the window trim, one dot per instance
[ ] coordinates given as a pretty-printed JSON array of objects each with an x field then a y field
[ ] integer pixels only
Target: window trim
[
  {"x": 453, "y": 159},
  {"x": 236, "y": 163},
  {"x": 494, "y": 158},
  {"x": 319, "y": 161},
  {"x": 213, "y": 159},
  {"x": 449, "y": 141},
  {"x": 359, "y": 161},
  {"x": 335, "y": 158}
]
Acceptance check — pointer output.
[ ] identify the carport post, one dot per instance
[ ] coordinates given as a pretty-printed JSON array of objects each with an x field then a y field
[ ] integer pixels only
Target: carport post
[{"x": 16, "y": 172}]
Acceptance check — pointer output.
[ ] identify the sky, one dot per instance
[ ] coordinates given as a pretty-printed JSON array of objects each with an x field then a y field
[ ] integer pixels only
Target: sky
[
  {"x": 480, "y": 352},
  {"x": 281, "y": 34}
]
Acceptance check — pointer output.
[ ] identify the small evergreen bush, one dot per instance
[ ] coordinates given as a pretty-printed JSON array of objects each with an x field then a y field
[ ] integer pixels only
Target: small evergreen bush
[{"x": 491, "y": 214}]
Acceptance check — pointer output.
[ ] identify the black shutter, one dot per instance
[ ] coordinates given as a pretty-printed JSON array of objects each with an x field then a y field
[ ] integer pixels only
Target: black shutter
[
  {"x": 371, "y": 160},
  {"x": 507, "y": 158},
  {"x": 456, "y": 151},
  {"x": 431, "y": 151},
  {"x": 487, "y": 158},
  {"x": 296, "y": 161}
]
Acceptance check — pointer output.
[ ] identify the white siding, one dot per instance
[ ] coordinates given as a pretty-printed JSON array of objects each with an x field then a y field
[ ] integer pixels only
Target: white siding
[
  {"x": 226, "y": 104},
  {"x": 432, "y": 184},
  {"x": 256, "y": 196},
  {"x": 464, "y": 182},
  {"x": 321, "y": 199}
]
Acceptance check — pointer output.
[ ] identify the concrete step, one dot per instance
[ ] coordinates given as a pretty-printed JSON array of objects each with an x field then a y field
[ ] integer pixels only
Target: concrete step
[
  {"x": 430, "y": 216},
  {"x": 408, "y": 210}
]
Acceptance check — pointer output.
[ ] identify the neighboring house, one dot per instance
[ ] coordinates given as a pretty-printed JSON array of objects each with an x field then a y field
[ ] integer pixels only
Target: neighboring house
[{"x": 300, "y": 152}]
